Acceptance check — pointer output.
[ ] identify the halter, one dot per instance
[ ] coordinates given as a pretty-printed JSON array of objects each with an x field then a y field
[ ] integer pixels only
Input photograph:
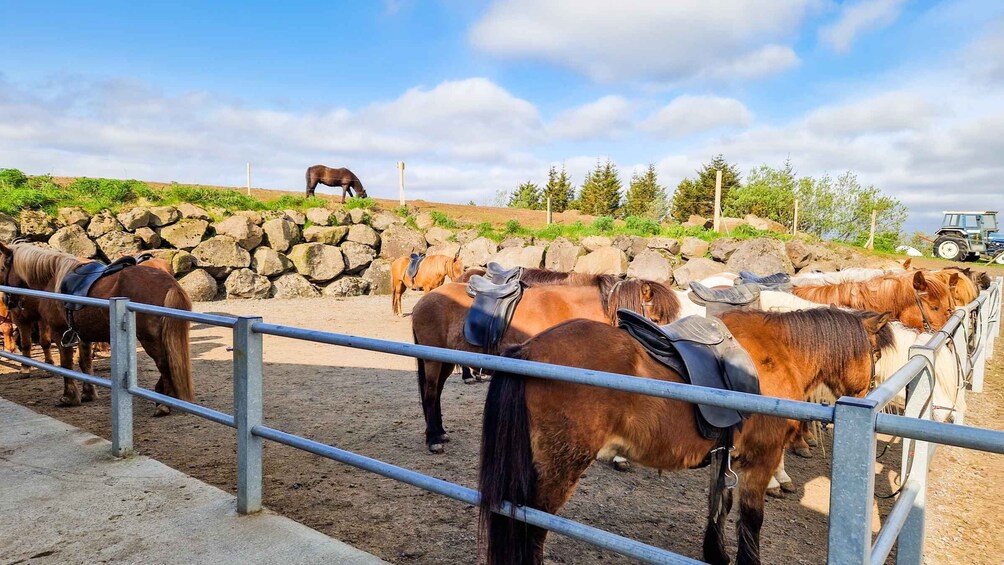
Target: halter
[
  {"x": 9, "y": 300},
  {"x": 923, "y": 314},
  {"x": 646, "y": 306}
]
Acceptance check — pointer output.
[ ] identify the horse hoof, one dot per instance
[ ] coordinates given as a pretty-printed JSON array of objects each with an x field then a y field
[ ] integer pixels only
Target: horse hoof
[
  {"x": 788, "y": 487},
  {"x": 88, "y": 397},
  {"x": 470, "y": 381},
  {"x": 803, "y": 452},
  {"x": 775, "y": 492},
  {"x": 436, "y": 448},
  {"x": 622, "y": 465},
  {"x": 162, "y": 411},
  {"x": 24, "y": 374},
  {"x": 484, "y": 378},
  {"x": 810, "y": 440},
  {"x": 66, "y": 402}
]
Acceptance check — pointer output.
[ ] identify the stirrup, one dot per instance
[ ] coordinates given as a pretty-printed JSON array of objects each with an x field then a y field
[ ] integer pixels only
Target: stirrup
[
  {"x": 70, "y": 338},
  {"x": 731, "y": 477}
]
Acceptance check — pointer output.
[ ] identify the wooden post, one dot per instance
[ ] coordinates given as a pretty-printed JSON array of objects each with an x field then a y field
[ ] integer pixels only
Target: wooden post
[
  {"x": 249, "y": 178},
  {"x": 718, "y": 201},
  {"x": 871, "y": 236},
  {"x": 400, "y": 169},
  {"x": 794, "y": 223},
  {"x": 549, "y": 218}
]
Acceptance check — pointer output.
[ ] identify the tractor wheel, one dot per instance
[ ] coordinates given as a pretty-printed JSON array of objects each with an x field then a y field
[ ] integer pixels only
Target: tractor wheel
[{"x": 951, "y": 248}]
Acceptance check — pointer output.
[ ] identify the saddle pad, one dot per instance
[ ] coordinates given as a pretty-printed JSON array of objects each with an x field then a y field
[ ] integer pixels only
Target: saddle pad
[
  {"x": 499, "y": 275},
  {"x": 734, "y": 296},
  {"x": 79, "y": 281},
  {"x": 414, "y": 262},
  {"x": 704, "y": 353},
  {"x": 489, "y": 316},
  {"x": 777, "y": 281}
]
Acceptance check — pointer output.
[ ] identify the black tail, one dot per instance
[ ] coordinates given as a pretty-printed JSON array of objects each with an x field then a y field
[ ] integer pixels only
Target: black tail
[
  {"x": 507, "y": 473},
  {"x": 719, "y": 505}
]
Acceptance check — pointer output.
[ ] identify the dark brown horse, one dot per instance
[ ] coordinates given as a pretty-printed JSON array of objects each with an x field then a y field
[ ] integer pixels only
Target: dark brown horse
[
  {"x": 438, "y": 320},
  {"x": 334, "y": 177},
  {"x": 164, "y": 339},
  {"x": 539, "y": 436}
]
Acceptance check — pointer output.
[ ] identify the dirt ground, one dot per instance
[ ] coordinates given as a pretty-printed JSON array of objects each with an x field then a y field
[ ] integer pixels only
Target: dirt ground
[{"x": 368, "y": 403}]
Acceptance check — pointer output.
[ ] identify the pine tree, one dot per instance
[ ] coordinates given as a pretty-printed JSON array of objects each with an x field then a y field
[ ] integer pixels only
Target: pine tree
[
  {"x": 645, "y": 198},
  {"x": 601, "y": 191},
  {"x": 527, "y": 195},
  {"x": 558, "y": 189},
  {"x": 697, "y": 196}
]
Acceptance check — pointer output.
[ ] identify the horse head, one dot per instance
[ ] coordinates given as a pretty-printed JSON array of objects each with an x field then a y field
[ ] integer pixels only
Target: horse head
[
  {"x": 931, "y": 303},
  {"x": 455, "y": 270}
]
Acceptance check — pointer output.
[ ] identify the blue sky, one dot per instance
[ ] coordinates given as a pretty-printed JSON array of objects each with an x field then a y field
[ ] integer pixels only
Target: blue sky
[{"x": 478, "y": 96}]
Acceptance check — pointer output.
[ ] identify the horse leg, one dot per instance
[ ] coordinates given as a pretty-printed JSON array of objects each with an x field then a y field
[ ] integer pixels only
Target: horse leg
[
  {"x": 467, "y": 375},
  {"x": 780, "y": 482},
  {"x": 25, "y": 345},
  {"x": 71, "y": 395},
  {"x": 432, "y": 377},
  {"x": 800, "y": 447},
  {"x": 807, "y": 435},
  {"x": 85, "y": 367},
  {"x": 311, "y": 186},
  {"x": 755, "y": 478},
  {"x": 164, "y": 386}
]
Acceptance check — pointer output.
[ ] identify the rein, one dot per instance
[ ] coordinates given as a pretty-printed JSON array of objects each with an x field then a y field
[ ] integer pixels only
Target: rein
[{"x": 923, "y": 313}]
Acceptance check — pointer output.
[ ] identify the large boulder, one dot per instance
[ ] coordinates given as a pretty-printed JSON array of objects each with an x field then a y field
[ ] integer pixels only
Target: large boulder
[
  {"x": 340, "y": 217},
  {"x": 150, "y": 238},
  {"x": 220, "y": 255},
  {"x": 192, "y": 211},
  {"x": 398, "y": 240},
  {"x": 164, "y": 216},
  {"x": 37, "y": 225},
  {"x": 361, "y": 233},
  {"x": 347, "y": 286},
  {"x": 119, "y": 244},
  {"x": 694, "y": 247},
  {"x": 101, "y": 223},
  {"x": 594, "y": 242},
  {"x": 449, "y": 249},
  {"x": 603, "y": 261},
  {"x": 73, "y": 239},
  {"x": 242, "y": 229},
  {"x": 295, "y": 216},
  {"x": 185, "y": 234},
  {"x": 630, "y": 244},
  {"x": 515, "y": 242},
  {"x": 357, "y": 256},
  {"x": 383, "y": 220},
  {"x": 317, "y": 261},
  {"x": 73, "y": 215},
  {"x": 437, "y": 235},
  {"x": 763, "y": 256},
  {"x": 134, "y": 218},
  {"x": 268, "y": 262},
  {"x": 723, "y": 248},
  {"x": 424, "y": 221},
  {"x": 292, "y": 285},
  {"x": 530, "y": 257},
  {"x": 467, "y": 236},
  {"x": 696, "y": 269},
  {"x": 319, "y": 216},
  {"x": 477, "y": 252},
  {"x": 358, "y": 216},
  {"x": 729, "y": 225},
  {"x": 256, "y": 217},
  {"x": 245, "y": 283},
  {"x": 765, "y": 224},
  {"x": 378, "y": 274},
  {"x": 9, "y": 228},
  {"x": 330, "y": 235},
  {"x": 799, "y": 253},
  {"x": 667, "y": 244},
  {"x": 562, "y": 255},
  {"x": 281, "y": 234},
  {"x": 821, "y": 266},
  {"x": 651, "y": 265},
  {"x": 200, "y": 285},
  {"x": 696, "y": 221},
  {"x": 183, "y": 262}
]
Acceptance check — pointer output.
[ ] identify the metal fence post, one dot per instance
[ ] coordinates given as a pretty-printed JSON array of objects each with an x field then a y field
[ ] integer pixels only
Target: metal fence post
[
  {"x": 916, "y": 460},
  {"x": 122, "y": 328},
  {"x": 852, "y": 484},
  {"x": 979, "y": 363},
  {"x": 248, "y": 413}
]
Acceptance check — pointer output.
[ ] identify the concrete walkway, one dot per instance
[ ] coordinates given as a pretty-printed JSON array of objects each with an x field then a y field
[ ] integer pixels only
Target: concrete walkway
[{"x": 64, "y": 499}]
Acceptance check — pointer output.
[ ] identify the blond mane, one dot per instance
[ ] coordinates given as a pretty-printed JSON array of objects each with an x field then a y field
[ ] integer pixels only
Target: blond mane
[{"x": 39, "y": 267}]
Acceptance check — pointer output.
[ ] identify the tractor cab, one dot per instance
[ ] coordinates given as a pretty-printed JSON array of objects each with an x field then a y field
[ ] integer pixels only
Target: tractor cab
[{"x": 966, "y": 233}]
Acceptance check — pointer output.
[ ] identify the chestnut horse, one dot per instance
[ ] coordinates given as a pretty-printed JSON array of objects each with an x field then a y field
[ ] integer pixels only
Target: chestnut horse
[
  {"x": 164, "y": 339},
  {"x": 432, "y": 271},
  {"x": 539, "y": 436},
  {"x": 6, "y": 326},
  {"x": 334, "y": 177},
  {"x": 438, "y": 320}
]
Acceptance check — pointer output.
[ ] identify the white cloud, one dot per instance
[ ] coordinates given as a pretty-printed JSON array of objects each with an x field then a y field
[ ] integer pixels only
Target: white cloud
[
  {"x": 886, "y": 112},
  {"x": 688, "y": 115},
  {"x": 857, "y": 18},
  {"x": 601, "y": 119},
  {"x": 659, "y": 42}
]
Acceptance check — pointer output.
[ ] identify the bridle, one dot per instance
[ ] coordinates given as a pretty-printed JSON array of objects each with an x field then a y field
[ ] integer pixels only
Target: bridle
[
  {"x": 9, "y": 300},
  {"x": 647, "y": 306}
]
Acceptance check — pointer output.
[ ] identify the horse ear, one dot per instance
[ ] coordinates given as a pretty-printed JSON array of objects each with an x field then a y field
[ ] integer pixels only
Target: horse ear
[
  {"x": 953, "y": 280},
  {"x": 906, "y": 264},
  {"x": 646, "y": 292},
  {"x": 874, "y": 323},
  {"x": 920, "y": 281}
]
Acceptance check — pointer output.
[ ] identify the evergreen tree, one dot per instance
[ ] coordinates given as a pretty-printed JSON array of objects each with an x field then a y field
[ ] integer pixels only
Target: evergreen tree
[
  {"x": 697, "y": 196},
  {"x": 645, "y": 198},
  {"x": 527, "y": 195},
  {"x": 601, "y": 191},
  {"x": 559, "y": 189}
]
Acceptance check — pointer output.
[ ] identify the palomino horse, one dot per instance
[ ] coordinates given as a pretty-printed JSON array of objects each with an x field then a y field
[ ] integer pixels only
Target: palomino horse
[
  {"x": 164, "y": 339},
  {"x": 432, "y": 271},
  {"x": 539, "y": 436},
  {"x": 438, "y": 320},
  {"x": 334, "y": 177}
]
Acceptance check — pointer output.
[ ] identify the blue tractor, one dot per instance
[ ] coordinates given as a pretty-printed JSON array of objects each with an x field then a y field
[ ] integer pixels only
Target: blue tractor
[{"x": 970, "y": 234}]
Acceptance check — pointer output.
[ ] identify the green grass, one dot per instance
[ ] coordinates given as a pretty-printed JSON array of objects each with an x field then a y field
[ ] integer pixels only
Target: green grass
[{"x": 356, "y": 202}]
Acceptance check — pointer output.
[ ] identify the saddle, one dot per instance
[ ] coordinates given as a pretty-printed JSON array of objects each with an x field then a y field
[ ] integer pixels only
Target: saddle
[
  {"x": 778, "y": 281},
  {"x": 704, "y": 353},
  {"x": 79, "y": 281},
  {"x": 495, "y": 301},
  {"x": 414, "y": 262},
  {"x": 719, "y": 300}
]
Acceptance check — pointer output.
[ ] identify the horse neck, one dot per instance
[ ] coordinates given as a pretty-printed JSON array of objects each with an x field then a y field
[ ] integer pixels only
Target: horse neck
[
  {"x": 896, "y": 356},
  {"x": 45, "y": 272}
]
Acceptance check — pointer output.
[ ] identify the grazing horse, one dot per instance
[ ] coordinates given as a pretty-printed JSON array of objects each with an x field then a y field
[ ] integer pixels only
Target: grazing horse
[
  {"x": 164, "y": 339},
  {"x": 539, "y": 435},
  {"x": 438, "y": 320},
  {"x": 432, "y": 271},
  {"x": 334, "y": 177}
]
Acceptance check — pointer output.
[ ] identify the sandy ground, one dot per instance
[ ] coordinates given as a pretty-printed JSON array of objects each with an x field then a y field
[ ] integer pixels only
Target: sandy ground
[{"x": 368, "y": 403}]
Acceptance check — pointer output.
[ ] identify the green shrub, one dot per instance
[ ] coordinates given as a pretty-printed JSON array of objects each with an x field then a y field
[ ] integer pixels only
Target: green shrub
[
  {"x": 12, "y": 178},
  {"x": 356, "y": 202},
  {"x": 604, "y": 223},
  {"x": 512, "y": 227},
  {"x": 442, "y": 220},
  {"x": 644, "y": 226}
]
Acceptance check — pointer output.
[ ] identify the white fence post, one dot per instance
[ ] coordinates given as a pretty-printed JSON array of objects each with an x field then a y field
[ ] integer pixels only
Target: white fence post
[
  {"x": 122, "y": 329},
  {"x": 248, "y": 413}
]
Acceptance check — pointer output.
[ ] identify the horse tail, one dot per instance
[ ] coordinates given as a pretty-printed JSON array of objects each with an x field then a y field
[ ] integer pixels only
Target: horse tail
[
  {"x": 719, "y": 504},
  {"x": 174, "y": 333},
  {"x": 507, "y": 472}
]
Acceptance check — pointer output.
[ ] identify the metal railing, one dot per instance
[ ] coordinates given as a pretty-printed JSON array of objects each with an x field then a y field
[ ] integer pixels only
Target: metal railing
[{"x": 856, "y": 421}]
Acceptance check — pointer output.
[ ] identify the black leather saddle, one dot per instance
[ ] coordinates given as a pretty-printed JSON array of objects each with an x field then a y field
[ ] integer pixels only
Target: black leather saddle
[
  {"x": 704, "y": 353},
  {"x": 495, "y": 301},
  {"x": 79, "y": 281},
  {"x": 744, "y": 295},
  {"x": 777, "y": 281},
  {"x": 414, "y": 262}
]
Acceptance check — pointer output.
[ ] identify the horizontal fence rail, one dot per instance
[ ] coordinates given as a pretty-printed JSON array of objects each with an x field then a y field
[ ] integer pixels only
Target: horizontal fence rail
[{"x": 856, "y": 421}]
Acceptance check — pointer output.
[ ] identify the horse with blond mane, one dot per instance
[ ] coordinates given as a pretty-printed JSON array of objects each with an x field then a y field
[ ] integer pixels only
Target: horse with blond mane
[{"x": 432, "y": 272}]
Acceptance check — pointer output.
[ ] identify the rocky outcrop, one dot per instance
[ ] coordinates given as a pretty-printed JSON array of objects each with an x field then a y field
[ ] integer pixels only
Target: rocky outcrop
[
  {"x": 594, "y": 242},
  {"x": 378, "y": 274},
  {"x": 763, "y": 256},
  {"x": 765, "y": 224},
  {"x": 347, "y": 286},
  {"x": 163, "y": 216},
  {"x": 361, "y": 233},
  {"x": 245, "y": 283},
  {"x": 292, "y": 285},
  {"x": 244, "y": 231},
  {"x": 319, "y": 216},
  {"x": 530, "y": 257},
  {"x": 192, "y": 211},
  {"x": 37, "y": 225},
  {"x": 665, "y": 244},
  {"x": 281, "y": 234},
  {"x": 630, "y": 244},
  {"x": 101, "y": 223},
  {"x": 438, "y": 236},
  {"x": 477, "y": 252},
  {"x": 183, "y": 262},
  {"x": 317, "y": 261},
  {"x": 73, "y": 239},
  {"x": 398, "y": 241},
  {"x": 383, "y": 220},
  {"x": 449, "y": 249},
  {"x": 73, "y": 215},
  {"x": 603, "y": 261},
  {"x": 357, "y": 256},
  {"x": 200, "y": 285},
  {"x": 723, "y": 248},
  {"x": 359, "y": 216},
  {"x": 799, "y": 253},
  {"x": 9, "y": 228},
  {"x": 119, "y": 244},
  {"x": 330, "y": 235},
  {"x": 561, "y": 255},
  {"x": 186, "y": 234},
  {"x": 220, "y": 255},
  {"x": 651, "y": 265},
  {"x": 694, "y": 247},
  {"x": 696, "y": 270},
  {"x": 268, "y": 262},
  {"x": 134, "y": 218}
]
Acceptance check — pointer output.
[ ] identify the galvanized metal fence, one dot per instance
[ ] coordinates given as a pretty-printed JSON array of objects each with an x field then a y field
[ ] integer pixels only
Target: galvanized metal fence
[{"x": 856, "y": 421}]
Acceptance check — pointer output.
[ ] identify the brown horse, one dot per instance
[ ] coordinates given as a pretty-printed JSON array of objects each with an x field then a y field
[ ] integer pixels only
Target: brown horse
[
  {"x": 438, "y": 320},
  {"x": 164, "y": 339},
  {"x": 7, "y": 326},
  {"x": 334, "y": 177},
  {"x": 432, "y": 271},
  {"x": 539, "y": 436},
  {"x": 23, "y": 314}
]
